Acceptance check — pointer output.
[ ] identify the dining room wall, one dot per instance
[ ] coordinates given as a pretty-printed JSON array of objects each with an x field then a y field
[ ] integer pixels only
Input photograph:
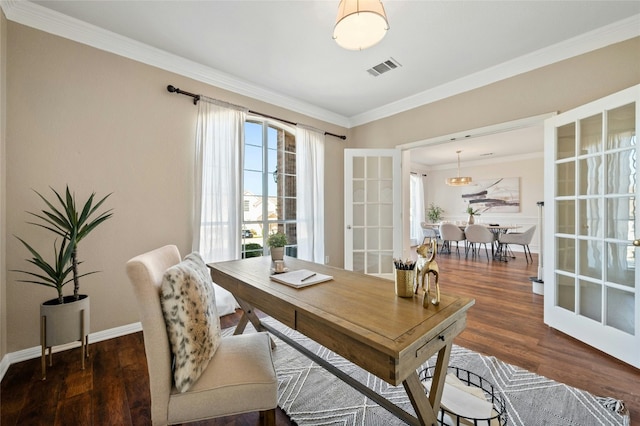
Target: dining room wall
[{"x": 528, "y": 168}]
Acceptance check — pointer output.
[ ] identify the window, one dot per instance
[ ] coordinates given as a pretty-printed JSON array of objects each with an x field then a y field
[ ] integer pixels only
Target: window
[{"x": 269, "y": 193}]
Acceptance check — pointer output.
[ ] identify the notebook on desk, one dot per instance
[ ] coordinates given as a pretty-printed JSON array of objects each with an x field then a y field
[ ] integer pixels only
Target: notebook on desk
[{"x": 300, "y": 278}]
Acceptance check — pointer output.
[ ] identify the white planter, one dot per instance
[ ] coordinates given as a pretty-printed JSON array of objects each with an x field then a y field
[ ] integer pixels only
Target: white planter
[
  {"x": 277, "y": 253},
  {"x": 64, "y": 323}
]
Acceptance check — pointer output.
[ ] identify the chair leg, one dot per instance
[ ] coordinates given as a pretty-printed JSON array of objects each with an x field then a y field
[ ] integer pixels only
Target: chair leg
[
  {"x": 527, "y": 250},
  {"x": 268, "y": 417}
]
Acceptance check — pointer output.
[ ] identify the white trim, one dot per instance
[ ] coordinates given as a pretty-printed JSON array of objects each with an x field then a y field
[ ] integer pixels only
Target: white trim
[
  {"x": 36, "y": 351},
  {"x": 41, "y": 18}
]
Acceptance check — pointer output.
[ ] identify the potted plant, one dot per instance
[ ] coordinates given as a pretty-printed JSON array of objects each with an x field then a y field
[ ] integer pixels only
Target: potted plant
[
  {"x": 434, "y": 213},
  {"x": 471, "y": 212},
  {"x": 64, "y": 319},
  {"x": 276, "y": 242}
]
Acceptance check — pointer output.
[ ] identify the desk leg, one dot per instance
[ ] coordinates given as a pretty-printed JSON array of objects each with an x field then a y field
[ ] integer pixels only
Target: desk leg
[
  {"x": 248, "y": 314},
  {"x": 427, "y": 408}
]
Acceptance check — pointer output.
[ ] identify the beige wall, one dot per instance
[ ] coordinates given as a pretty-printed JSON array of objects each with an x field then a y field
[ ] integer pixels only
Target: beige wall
[
  {"x": 3, "y": 228},
  {"x": 103, "y": 123}
]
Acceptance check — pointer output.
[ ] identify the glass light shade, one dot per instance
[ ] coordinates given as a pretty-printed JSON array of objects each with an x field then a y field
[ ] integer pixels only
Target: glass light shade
[
  {"x": 458, "y": 181},
  {"x": 360, "y": 24}
]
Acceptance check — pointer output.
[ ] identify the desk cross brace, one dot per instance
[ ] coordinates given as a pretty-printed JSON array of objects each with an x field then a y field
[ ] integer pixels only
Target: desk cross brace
[{"x": 366, "y": 391}]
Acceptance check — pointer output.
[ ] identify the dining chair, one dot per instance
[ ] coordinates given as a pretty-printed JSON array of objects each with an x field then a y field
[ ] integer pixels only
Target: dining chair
[
  {"x": 429, "y": 233},
  {"x": 518, "y": 238},
  {"x": 478, "y": 235},
  {"x": 240, "y": 376},
  {"x": 450, "y": 233}
]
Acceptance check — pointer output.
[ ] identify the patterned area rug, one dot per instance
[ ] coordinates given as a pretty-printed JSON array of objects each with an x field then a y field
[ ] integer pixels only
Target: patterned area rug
[{"x": 312, "y": 396}]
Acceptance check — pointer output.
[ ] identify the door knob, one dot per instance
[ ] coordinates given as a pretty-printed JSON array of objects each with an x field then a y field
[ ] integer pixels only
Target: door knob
[{"x": 636, "y": 243}]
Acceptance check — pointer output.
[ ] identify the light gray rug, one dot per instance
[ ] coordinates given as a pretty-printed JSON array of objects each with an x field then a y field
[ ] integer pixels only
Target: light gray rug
[{"x": 312, "y": 396}]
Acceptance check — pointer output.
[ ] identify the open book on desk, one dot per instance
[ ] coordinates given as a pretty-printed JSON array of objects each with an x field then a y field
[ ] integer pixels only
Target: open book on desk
[{"x": 300, "y": 278}]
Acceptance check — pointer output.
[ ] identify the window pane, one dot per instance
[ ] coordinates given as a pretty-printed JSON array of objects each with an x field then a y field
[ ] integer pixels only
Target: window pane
[
  {"x": 372, "y": 215},
  {"x": 290, "y": 209},
  {"x": 621, "y": 261},
  {"x": 565, "y": 286},
  {"x": 565, "y": 254},
  {"x": 272, "y": 138},
  {"x": 565, "y": 216},
  {"x": 358, "y": 167},
  {"x": 373, "y": 239},
  {"x": 373, "y": 191},
  {"x": 591, "y": 135},
  {"x": 253, "y": 157},
  {"x": 620, "y": 310},
  {"x": 590, "y": 175},
  {"x": 372, "y": 168},
  {"x": 566, "y": 141},
  {"x": 253, "y": 182},
  {"x": 565, "y": 179},
  {"x": 591, "y": 217},
  {"x": 373, "y": 263},
  {"x": 621, "y": 124},
  {"x": 621, "y": 218},
  {"x": 623, "y": 180},
  {"x": 591, "y": 258},
  {"x": 591, "y": 300}
]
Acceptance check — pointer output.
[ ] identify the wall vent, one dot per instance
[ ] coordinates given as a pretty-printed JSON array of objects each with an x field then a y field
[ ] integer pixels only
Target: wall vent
[{"x": 381, "y": 68}]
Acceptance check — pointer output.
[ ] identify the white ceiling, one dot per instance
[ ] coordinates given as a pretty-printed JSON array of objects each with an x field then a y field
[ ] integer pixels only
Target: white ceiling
[{"x": 282, "y": 51}]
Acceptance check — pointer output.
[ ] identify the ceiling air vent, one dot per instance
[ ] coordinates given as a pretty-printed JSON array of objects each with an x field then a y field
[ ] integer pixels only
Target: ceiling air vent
[{"x": 383, "y": 67}]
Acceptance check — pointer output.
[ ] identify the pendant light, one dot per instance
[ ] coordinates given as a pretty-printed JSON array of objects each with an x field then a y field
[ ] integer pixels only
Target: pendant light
[
  {"x": 360, "y": 24},
  {"x": 459, "y": 180}
]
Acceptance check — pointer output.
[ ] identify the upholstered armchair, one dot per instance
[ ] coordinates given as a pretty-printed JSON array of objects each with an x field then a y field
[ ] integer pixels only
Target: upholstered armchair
[
  {"x": 478, "y": 235},
  {"x": 522, "y": 239},
  {"x": 239, "y": 378},
  {"x": 450, "y": 233}
]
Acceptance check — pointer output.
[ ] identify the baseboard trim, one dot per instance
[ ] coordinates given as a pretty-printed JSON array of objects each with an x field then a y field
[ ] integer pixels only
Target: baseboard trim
[{"x": 36, "y": 351}]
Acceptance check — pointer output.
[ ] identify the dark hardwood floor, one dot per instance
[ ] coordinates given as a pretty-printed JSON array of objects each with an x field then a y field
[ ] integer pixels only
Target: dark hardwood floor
[{"x": 505, "y": 322}]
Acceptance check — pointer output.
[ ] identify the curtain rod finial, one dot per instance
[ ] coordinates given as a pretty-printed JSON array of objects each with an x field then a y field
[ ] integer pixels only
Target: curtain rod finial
[{"x": 172, "y": 88}]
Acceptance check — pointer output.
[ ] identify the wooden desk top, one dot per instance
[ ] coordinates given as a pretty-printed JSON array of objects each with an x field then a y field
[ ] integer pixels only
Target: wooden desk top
[{"x": 356, "y": 315}]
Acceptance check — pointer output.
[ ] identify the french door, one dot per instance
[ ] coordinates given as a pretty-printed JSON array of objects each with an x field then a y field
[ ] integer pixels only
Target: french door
[
  {"x": 591, "y": 191},
  {"x": 373, "y": 210}
]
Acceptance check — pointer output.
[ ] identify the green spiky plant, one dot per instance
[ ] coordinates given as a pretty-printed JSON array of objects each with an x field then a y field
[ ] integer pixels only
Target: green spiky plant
[
  {"x": 51, "y": 275},
  {"x": 71, "y": 225}
]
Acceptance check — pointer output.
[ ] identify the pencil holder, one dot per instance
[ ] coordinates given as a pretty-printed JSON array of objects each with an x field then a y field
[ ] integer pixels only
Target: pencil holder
[{"x": 404, "y": 282}]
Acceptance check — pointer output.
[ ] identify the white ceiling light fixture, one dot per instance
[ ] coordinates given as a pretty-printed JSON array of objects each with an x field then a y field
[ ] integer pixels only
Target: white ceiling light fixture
[
  {"x": 459, "y": 180},
  {"x": 360, "y": 24}
]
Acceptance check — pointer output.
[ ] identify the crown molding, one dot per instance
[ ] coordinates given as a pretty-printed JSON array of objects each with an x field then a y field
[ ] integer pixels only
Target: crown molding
[
  {"x": 38, "y": 17},
  {"x": 610, "y": 34},
  {"x": 47, "y": 20}
]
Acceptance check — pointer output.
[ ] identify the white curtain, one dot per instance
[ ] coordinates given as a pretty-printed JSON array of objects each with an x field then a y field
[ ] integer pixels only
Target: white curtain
[
  {"x": 310, "y": 193},
  {"x": 416, "y": 208},
  {"x": 218, "y": 180}
]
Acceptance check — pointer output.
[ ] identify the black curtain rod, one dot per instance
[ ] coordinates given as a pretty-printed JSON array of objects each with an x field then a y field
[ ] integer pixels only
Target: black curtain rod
[
  {"x": 416, "y": 173},
  {"x": 196, "y": 98}
]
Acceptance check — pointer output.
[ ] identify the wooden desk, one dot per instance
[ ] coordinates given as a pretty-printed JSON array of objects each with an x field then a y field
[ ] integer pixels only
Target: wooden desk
[{"x": 360, "y": 318}]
